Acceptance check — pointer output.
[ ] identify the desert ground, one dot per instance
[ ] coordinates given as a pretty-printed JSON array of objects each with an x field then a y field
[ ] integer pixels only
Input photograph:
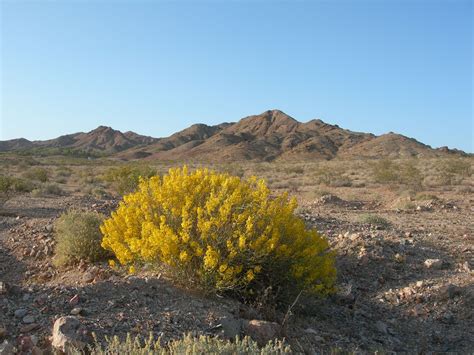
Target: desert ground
[{"x": 402, "y": 231}]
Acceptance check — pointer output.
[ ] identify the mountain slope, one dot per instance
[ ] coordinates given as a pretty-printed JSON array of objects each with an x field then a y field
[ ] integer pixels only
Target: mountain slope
[
  {"x": 272, "y": 135},
  {"x": 102, "y": 139}
]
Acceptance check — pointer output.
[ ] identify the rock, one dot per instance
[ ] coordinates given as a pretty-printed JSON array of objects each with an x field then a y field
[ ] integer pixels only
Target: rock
[
  {"x": 29, "y": 327},
  {"x": 450, "y": 291},
  {"x": 6, "y": 348},
  {"x": 88, "y": 277},
  {"x": 419, "y": 284},
  {"x": 74, "y": 300},
  {"x": 399, "y": 258},
  {"x": 20, "y": 313},
  {"x": 37, "y": 351},
  {"x": 261, "y": 331},
  {"x": 381, "y": 327},
  {"x": 68, "y": 333},
  {"x": 76, "y": 311},
  {"x": 3, "y": 288},
  {"x": 28, "y": 319},
  {"x": 25, "y": 343},
  {"x": 231, "y": 327},
  {"x": 433, "y": 263}
]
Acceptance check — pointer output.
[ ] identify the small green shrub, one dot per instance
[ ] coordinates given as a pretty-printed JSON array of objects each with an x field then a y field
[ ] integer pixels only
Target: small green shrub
[
  {"x": 453, "y": 171},
  {"x": 125, "y": 179},
  {"x": 47, "y": 190},
  {"x": 78, "y": 237},
  {"x": 189, "y": 344},
  {"x": 385, "y": 171},
  {"x": 5, "y": 184},
  {"x": 37, "y": 174},
  {"x": 12, "y": 184},
  {"x": 410, "y": 175},
  {"x": 375, "y": 220}
]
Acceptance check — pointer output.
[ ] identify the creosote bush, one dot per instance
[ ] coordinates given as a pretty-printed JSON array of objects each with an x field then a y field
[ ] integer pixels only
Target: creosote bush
[
  {"x": 78, "y": 238},
  {"x": 125, "y": 179},
  {"x": 37, "y": 173},
  {"x": 189, "y": 344},
  {"x": 220, "y": 233}
]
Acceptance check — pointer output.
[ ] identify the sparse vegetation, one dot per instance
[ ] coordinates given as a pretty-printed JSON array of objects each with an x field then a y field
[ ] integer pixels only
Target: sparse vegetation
[
  {"x": 37, "y": 174},
  {"x": 189, "y": 344},
  {"x": 221, "y": 233},
  {"x": 78, "y": 238},
  {"x": 47, "y": 190},
  {"x": 124, "y": 179},
  {"x": 375, "y": 220}
]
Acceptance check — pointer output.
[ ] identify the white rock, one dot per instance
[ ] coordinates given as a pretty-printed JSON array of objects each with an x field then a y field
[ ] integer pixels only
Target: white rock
[
  {"x": 433, "y": 263},
  {"x": 68, "y": 334}
]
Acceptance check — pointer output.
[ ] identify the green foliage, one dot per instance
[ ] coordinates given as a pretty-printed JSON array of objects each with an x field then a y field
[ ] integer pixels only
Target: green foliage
[
  {"x": 375, "y": 220},
  {"x": 385, "y": 171},
  {"x": 452, "y": 171},
  {"x": 125, "y": 179},
  {"x": 37, "y": 174},
  {"x": 406, "y": 173},
  {"x": 68, "y": 152},
  {"x": 189, "y": 344},
  {"x": 78, "y": 237},
  {"x": 12, "y": 184}
]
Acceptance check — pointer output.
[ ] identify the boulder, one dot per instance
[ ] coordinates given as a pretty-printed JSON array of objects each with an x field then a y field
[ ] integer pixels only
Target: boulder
[
  {"x": 261, "y": 331},
  {"x": 68, "y": 334}
]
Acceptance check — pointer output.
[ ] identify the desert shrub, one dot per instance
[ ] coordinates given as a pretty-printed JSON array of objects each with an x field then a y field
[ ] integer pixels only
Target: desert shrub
[
  {"x": 189, "y": 344},
  {"x": 219, "y": 232},
  {"x": 5, "y": 183},
  {"x": 63, "y": 171},
  {"x": 452, "y": 171},
  {"x": 125, "y": 179},
  {"x": 78, "y": 237},
  {"x": 47, "y": 190},
  {"x": 332, "y": 176},
  {"x": 13, "y": 184},
  {"x": 375, "y": 220},
  {"x": 410, "y": 175},
  {"x": 385, "y": 171},
  {"x": 37, "y": 174}
]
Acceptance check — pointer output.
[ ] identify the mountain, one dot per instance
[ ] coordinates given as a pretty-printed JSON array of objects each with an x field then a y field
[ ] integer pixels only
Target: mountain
[
  {"x": 102, "y": 139},
  {"x": 272, "y": 135},
  {"x": 275, "y": 135}
]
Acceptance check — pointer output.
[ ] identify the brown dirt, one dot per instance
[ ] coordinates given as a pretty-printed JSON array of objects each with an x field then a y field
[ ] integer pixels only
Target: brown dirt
[{"x": 388, "y": 299}]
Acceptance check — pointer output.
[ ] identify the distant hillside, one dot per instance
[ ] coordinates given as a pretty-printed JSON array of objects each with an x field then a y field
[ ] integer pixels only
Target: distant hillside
[
  {"x": 102, "y": 139},
  {"x": 272, "y": 135}
]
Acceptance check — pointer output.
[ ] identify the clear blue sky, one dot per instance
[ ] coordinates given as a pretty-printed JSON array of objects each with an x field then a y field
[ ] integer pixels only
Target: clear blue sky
[{"x": 156, "y": 67}]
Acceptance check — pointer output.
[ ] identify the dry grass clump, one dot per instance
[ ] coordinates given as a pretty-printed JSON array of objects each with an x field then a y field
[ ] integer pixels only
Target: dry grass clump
[
  {"x": 78, "y": 238},
  {"x": 47, "y": 190},
  {"x": 375, "y": 220},
  {"x": 188, "y": 344}
]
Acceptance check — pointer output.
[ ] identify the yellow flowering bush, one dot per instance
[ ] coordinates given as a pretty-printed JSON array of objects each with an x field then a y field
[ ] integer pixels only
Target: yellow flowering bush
[{"x": 221, "y": 233}]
